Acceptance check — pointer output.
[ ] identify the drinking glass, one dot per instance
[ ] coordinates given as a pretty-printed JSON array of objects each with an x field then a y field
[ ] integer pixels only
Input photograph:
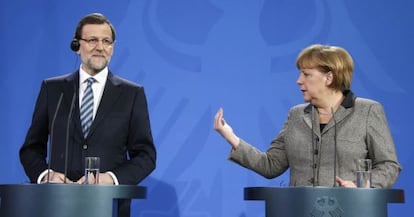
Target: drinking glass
[
  {"x": 92, "y": 170},
  {"x": 363, "y": 173}
]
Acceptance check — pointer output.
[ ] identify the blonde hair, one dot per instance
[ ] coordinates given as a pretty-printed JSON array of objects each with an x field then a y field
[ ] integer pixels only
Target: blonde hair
[{"x": 326, "y": 59}]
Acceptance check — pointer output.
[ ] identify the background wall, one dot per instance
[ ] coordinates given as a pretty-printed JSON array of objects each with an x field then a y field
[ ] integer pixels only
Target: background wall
[{"x": 194, "y": 56}]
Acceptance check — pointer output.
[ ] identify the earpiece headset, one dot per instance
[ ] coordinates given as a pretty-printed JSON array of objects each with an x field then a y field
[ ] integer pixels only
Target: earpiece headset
[{"x": 74, "y": 45}]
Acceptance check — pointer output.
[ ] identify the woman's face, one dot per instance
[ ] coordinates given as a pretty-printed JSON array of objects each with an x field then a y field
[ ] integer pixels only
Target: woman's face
[{"x": 313, "y": 84}]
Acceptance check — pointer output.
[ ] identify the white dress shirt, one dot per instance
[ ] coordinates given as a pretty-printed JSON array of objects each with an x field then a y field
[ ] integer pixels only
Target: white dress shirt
[{"x": 97, "y": 87}]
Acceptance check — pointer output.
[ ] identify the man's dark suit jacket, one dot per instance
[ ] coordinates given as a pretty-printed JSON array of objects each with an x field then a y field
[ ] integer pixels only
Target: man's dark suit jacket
[{"x": 120, "y": 133}]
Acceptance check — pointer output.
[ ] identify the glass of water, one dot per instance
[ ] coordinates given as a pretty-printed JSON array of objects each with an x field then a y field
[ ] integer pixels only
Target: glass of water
[
  {"x": 92, "y": 170},
  {"x": 363, "y": 173}
]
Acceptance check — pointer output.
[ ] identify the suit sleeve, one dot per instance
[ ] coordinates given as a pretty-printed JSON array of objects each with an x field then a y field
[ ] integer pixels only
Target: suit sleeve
[
  {"x": 381, "y": 149},
  {"x": 34, "y": 149},
  {"x": 140, "y": 144},
  {"x": 269, "y": 164}
]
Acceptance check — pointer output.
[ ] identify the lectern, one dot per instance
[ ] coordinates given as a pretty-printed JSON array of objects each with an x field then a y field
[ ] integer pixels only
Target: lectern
[
  {"x": 324, "y": 201},
  {"x": 64, "y": 200}
]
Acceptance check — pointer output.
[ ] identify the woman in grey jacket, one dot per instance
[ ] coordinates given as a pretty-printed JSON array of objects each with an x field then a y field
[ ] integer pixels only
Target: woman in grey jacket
[{"x": 321, "y": 139}]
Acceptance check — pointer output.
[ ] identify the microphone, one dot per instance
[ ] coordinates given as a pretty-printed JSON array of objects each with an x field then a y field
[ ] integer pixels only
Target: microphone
[
  {"x": 52, "y": 126},
  {"x": 335, "y": 146},
  {"x": 72, "y": 105},
  {"x": 313, "y": 145}
]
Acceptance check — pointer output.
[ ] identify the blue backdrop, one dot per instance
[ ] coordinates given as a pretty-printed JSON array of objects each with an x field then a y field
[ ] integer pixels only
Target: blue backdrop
[{"x": 194, "y": 56}]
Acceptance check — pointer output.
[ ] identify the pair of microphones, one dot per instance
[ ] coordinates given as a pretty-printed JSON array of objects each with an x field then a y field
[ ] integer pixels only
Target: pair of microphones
[
  {"x": 69, "y": 120},
  {"x": 316, "y": 150}
]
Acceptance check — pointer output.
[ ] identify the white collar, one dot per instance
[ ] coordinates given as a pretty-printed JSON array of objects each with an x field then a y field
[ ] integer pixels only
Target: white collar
[{"x": 100, "y": 77}]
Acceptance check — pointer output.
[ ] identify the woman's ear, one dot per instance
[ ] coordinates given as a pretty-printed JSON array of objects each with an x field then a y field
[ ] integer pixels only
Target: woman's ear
[{"x": 329, "y": 78}]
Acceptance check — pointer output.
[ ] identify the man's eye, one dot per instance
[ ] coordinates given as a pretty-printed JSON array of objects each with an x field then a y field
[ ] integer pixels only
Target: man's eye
[
  {"x": 93, "y": 40},
  {"x": 107, "y": 41}
]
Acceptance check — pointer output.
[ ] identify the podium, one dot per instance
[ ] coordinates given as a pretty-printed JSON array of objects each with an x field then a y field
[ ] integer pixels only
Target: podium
[
  {"x": 324, "y": 201},
  {"x": 64, "y": 200}
]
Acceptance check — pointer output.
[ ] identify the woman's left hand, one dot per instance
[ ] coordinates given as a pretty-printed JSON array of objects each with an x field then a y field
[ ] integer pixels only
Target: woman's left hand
[{"x": 345, "y": 183}]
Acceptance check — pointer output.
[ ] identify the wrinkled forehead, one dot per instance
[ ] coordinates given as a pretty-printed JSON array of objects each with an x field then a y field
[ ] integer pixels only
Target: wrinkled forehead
[{"x": 96, "y": 30}]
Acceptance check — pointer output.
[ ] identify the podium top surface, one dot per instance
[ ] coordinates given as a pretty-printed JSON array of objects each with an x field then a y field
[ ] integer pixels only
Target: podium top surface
[
  {"x": 263, "y": 193},
  {"x": 112, "y": 191}
]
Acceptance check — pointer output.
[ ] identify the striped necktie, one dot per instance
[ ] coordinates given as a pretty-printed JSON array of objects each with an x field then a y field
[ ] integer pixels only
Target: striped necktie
[{"x": 86, "y": 110}]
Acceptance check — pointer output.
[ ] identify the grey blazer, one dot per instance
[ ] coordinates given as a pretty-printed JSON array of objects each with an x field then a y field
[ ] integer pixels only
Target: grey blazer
[{"x": 361, "y": 131}]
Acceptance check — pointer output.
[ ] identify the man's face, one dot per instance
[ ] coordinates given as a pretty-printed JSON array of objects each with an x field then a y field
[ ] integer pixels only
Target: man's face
[{"x": 96, "y": 47}]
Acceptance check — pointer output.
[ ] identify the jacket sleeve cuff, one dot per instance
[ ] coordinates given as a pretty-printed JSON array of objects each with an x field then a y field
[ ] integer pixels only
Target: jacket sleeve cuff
[
  {"x": 41, "y": 176},
  {"x": 113, "y": 177}
]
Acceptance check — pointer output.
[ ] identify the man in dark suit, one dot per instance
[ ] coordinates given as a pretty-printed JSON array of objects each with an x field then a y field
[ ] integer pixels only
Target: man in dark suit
[{"x": 102, "y": 115}]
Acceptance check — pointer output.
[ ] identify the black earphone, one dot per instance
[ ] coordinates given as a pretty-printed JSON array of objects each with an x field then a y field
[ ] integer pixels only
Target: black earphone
[{"x": 74, "y": 45}]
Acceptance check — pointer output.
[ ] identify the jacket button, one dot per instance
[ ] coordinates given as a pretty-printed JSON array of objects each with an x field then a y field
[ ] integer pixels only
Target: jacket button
[
  {"x": 311, "y": 180},
  {"x": 85, "y": 147}
]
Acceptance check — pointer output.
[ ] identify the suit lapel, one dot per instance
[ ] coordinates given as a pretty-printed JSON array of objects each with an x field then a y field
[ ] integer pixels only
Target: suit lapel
[
  {"x": 109, "y": 97},
  {"x": 343, "y": 111},
  {"x": 309, "y": 117},
  {"x": 339, "y": 115}
]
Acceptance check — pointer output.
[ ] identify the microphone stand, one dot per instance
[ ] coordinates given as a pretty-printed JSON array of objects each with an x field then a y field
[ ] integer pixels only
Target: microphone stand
[
  {"x": 52, "y": 126},
  {"x": 72, "y": 105},
  {"x": 335, "y": 146},
  {"x": 313, "y": 146}
]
